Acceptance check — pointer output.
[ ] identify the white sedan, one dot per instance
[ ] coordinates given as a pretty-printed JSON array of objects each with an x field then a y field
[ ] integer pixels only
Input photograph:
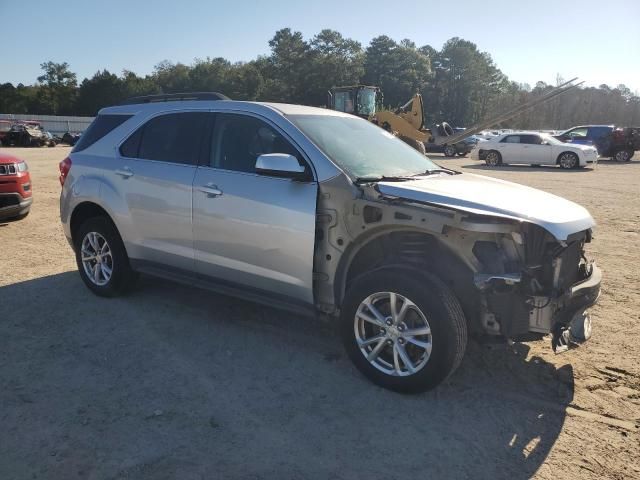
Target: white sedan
[{"x": 533, "y": 149}]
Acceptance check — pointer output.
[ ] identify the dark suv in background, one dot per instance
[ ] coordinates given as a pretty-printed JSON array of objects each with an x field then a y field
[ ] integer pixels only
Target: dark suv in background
[{"x": 611, "y": 141}]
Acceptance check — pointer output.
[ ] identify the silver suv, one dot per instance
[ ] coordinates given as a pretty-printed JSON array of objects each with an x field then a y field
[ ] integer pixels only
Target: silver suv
[{"x": 325, "y": 213}]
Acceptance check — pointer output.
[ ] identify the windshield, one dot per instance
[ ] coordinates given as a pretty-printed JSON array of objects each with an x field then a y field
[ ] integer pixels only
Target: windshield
[
  {"x": 366, "y": 101},
  {"x": 361, "y": 148}
]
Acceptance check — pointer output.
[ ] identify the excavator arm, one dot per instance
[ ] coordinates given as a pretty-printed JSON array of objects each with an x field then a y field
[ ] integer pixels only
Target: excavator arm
[{"x": 559, "y": 90}]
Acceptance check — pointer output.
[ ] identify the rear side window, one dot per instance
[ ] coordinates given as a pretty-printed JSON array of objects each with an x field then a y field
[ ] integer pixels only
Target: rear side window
[
  {"x": 131, "y": 147},
  {"x": 174, "y": 137},
  {"x": 598, "y": 132},
  {"x": 102, "y": 125}
]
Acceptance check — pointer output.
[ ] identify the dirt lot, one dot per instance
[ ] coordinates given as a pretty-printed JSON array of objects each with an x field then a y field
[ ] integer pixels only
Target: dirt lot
[{"x": 170, "y": 382}]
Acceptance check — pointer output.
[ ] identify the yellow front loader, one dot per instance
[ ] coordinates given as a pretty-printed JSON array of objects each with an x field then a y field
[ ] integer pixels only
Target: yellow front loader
[{"x": 407, "y": 121}]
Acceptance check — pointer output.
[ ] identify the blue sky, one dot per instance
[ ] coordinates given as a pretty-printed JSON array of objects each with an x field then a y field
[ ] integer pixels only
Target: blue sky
[{"x": 599, "y": 41}]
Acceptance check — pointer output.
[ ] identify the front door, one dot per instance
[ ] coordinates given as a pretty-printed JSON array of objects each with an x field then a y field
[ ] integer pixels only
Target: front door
[
  {"x": 252, "y": 230},
  {"x": 535, "y": 150}
]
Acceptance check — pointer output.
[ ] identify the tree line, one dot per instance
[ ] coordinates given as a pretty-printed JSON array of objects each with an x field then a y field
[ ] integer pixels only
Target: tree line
[{"x": 459, "y": 83}]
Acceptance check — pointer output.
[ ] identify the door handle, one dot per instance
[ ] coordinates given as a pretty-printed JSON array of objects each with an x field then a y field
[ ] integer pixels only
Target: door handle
[
  {"x": 124, "y": 172},
  {"x": 210, "y": 190}
]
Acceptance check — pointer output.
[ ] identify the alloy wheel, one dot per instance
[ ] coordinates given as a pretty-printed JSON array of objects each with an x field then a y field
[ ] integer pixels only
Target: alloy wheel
[
  {"x": 393, "y": 334},
  {"x": 97, "y": 259},
  {"x": 622, "y": 156},
  {"x": 567, "y": 160},
  {"x": 492, "y": 159}
]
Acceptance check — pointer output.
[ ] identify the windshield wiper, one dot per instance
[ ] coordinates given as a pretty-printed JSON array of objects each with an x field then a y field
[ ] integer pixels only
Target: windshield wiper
[
  {"x": 383, "y": 178},
  {"x": 433, "y": 171}
]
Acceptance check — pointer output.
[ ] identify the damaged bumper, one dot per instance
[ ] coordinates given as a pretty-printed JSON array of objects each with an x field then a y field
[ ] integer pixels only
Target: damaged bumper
[
  {"x": 572, "y": 322},
  {"x": 564, "y": 316}
]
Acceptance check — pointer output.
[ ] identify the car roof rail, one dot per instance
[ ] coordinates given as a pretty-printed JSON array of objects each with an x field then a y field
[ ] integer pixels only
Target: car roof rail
[{"x": 175, "y": 97}]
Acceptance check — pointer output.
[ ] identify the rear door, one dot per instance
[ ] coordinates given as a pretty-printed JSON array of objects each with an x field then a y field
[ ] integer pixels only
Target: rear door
[
  {"x": 250, "y": 230},
  {"x": 601, "y": 138},
  {"x": 511, "y": 150},
  {"x": 154, "y": 174}
]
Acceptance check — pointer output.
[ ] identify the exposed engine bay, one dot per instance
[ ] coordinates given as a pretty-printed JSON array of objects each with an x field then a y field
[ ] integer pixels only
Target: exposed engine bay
[{"x": 512, "y": 277}]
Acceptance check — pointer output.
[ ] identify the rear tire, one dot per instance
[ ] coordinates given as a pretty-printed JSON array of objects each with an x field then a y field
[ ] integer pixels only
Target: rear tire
[
  {"x": 449, "y": 151},
  {"x": 111, "y": 274},
  {"x": 623, "y": 155},
  {"x": 431, "y": 306}
]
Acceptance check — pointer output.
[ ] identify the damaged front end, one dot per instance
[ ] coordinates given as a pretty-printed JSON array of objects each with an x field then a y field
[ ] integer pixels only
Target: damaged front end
[
  {"x": 513, "y": 256},
  {"x": 531, "y": 282}
]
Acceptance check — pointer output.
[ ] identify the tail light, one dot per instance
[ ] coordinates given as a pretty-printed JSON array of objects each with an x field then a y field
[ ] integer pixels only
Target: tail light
[{"x": 64, "y": 166}]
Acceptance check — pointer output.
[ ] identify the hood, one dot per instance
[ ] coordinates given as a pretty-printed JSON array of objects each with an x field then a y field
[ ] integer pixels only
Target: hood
[
  {"x": 6, "y": 158},
  {"x": 490, "y": 196},
  {"x": 580, "y": 146}
]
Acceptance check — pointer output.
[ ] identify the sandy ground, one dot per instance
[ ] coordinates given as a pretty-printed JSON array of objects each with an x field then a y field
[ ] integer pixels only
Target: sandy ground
[{"x": 171, "y": 382}]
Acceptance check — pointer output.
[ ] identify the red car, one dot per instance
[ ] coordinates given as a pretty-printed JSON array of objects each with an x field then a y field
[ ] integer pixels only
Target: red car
[{"x": 15, "y": 188}]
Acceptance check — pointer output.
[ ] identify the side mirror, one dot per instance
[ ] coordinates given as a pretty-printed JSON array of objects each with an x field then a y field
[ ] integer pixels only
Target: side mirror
[{"x": 280, "y": 165}]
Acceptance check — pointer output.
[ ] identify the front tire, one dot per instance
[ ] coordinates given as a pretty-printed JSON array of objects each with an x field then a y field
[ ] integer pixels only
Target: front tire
[
  {"x": 403, "y": 329},
  {"x": 102, "y": 259},
  {"x": 568, "y": 160}
]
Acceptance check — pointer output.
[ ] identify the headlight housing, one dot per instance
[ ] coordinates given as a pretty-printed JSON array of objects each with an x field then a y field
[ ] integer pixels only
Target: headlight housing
[{"x": 22, "y": 167}]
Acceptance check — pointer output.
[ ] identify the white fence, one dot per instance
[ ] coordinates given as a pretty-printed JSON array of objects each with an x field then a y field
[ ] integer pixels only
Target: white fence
[{"x": 55, "y": 124}]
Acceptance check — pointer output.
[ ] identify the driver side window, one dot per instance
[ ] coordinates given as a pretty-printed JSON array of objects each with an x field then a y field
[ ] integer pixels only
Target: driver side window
[
  {"x": 239, "y": 140},
  {"x": 578, "y": 132}
]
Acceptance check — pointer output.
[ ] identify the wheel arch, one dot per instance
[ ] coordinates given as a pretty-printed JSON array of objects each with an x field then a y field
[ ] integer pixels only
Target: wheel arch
[
  {"x": 496, "y": 151},
  {"x": 82, "y": 212},
  {"x": 409, "y": 248}
]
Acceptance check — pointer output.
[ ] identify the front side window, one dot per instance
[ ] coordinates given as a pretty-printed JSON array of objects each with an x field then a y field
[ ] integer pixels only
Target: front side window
[
  {"x": 512, "y": 139},
  {"x": 174, "y": 137},
  {"x": 240, "y": 139},
  {"x": 578, "y": 133},
  {"x": 531, "y": 139}
]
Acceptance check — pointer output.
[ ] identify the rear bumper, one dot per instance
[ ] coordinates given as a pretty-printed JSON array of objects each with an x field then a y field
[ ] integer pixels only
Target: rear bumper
[{"x": 13, "y": 205}]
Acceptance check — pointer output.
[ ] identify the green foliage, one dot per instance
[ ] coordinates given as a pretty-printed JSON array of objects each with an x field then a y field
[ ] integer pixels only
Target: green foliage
[
  {"x": 57, "y": 88},
  {"x": 459, "y": 83}
]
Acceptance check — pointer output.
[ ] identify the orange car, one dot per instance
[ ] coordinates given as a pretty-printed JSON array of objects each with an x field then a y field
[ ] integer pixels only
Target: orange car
[{"x": 15, "y": 188}]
